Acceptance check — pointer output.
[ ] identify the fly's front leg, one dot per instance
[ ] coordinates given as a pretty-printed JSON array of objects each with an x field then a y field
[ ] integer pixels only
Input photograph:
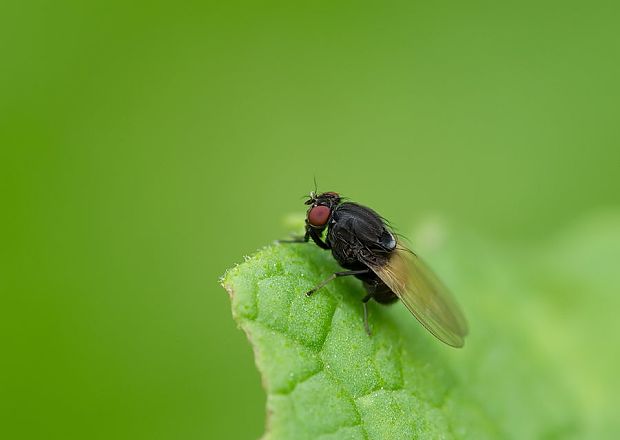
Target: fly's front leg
[
  {"x": 316, "y": 237},
  {"x": 298, "y": 239},
  {"x": 335, "y": 275}
]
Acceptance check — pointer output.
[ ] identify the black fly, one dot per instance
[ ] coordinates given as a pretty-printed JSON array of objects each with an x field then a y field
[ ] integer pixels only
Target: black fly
[{"x": 362, "y": 243}]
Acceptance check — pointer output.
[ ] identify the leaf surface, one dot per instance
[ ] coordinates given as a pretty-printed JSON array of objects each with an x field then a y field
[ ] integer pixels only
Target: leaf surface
[{"x": 326, "y": 378}]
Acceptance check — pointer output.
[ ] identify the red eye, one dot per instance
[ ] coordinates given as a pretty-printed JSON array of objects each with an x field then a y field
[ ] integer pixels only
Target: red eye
[{"x": 319, "y": 215}]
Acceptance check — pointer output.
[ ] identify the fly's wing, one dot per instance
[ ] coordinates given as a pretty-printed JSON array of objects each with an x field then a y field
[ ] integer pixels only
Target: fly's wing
[{"x": 424, "y": 295}]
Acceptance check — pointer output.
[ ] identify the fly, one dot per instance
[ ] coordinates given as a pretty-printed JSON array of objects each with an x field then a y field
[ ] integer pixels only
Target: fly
[{"x": 363, "y": 244}]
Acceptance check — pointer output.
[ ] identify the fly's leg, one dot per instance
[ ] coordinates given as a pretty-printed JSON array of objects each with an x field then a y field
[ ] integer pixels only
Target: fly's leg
[
  {"x": 365, "y": 305},
  {"x": 294, "y": 240},
  {"x": 333, "y": 276},
  {"x": 298, "y": 239}
]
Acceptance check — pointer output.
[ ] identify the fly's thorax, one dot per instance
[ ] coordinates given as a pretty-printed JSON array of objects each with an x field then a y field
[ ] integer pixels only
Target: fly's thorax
[{"x": 356, "y": 234}]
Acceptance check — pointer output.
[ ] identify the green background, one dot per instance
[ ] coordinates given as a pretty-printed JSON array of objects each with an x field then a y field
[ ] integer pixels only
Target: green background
[{"x": 147, "y": 147}]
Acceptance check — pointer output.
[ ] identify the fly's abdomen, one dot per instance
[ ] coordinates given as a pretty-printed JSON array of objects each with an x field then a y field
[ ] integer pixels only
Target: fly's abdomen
[{"x": 379, "y": 290}]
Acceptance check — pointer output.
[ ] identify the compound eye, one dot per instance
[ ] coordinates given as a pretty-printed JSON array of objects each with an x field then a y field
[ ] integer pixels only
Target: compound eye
[{"x": 319, "y": 215}]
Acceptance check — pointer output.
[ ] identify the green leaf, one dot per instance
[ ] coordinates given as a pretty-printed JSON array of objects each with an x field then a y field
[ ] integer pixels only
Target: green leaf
[{"x": 326, "y": 378}]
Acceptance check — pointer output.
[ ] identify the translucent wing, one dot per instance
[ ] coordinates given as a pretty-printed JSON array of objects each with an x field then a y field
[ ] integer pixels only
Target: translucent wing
[{"x": 424, "y": 295}]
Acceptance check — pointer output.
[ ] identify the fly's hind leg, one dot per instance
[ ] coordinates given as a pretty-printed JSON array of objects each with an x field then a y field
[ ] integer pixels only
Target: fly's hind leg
[
  {"x": 365, "y": 305},
  {"x": 380, "y": 293}
]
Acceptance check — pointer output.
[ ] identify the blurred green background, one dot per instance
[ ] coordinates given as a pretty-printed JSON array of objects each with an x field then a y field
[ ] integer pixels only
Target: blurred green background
[{"x": 146, "y": 147}]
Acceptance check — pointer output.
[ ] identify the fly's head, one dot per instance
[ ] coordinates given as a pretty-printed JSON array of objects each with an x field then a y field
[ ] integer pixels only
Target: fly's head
[{"x": 320, "y": 210}]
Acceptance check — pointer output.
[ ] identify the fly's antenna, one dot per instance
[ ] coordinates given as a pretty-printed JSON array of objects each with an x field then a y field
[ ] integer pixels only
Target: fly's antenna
[{"x": 315, "y": 186}]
